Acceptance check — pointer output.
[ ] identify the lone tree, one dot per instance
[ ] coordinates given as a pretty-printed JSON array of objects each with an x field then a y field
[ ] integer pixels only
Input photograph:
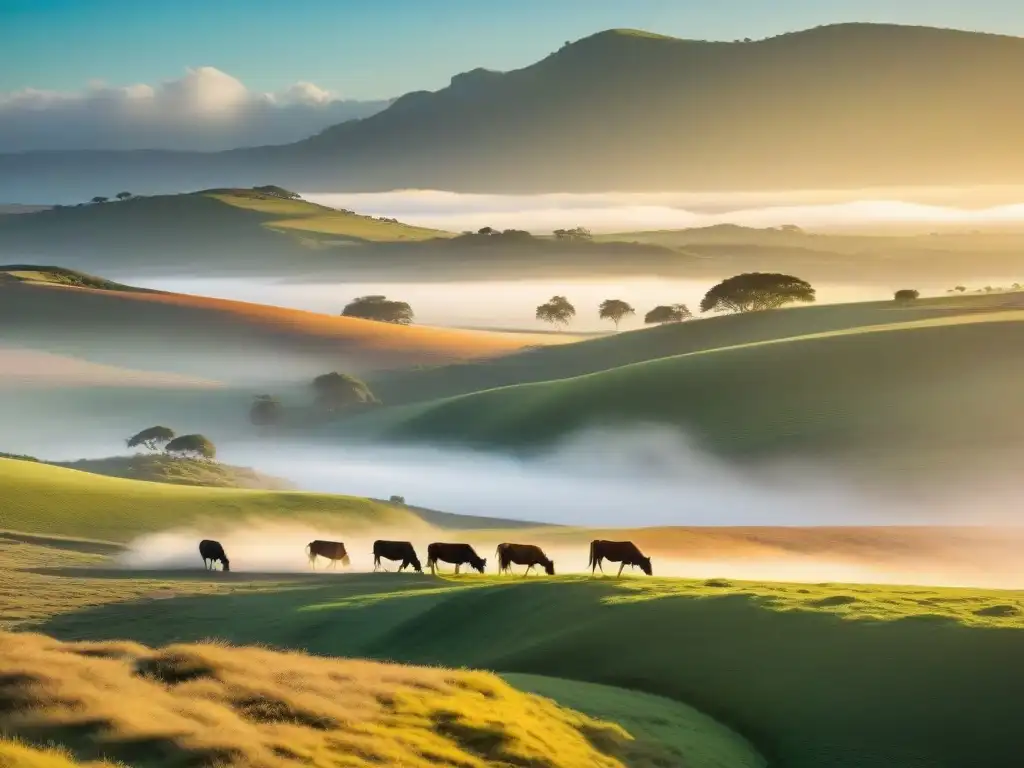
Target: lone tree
[
  {"x": 123, "y": 195},
  {"x": 99, "y": 199},
  {"x": 906, "y": 294},
  {"x": 668, "y": 313},
  {"x": 152, "y": 438},
  {"x": 615, "y": 310},
  {"x": 192, "y": 446},
  {"x": 379, "y": 308},
  {"x": 339, "y": 390},
  {"x": 265, "y": 410},
  {"x": 754, "y": 291},
  {"x": 397, "y": 499},
  {"x": 557, "y": 311}
]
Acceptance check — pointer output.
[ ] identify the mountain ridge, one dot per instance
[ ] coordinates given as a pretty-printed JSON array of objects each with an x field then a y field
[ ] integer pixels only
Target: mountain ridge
[{"x": 835, "y": 106}]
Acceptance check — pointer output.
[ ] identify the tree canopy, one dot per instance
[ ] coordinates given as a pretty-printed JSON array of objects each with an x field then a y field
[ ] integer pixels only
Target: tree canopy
[
  {"x": 753, "y": 291},
  {"x": 123, "y": 195},
  {"x": 906, "y": 294},
  {"x": 339, "y": 390},
  {"x": 668, "y": 313},
  {"x": 265, "y": 410},
  {"x": 151, "y": 438},
  {"x": 557, "y": 311},
  {"x": 379, "y": 308},
  {"x": 578, "y": 234},
  {"x": 198, "y": 446},
  {"x": 615, "y": 310}
]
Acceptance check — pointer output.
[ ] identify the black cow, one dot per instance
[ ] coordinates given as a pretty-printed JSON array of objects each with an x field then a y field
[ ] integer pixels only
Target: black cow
[
  {"x": 332, "y": 550},
  {"x": 523, "y": 554},
  {"x": 624, "y": 552},
  {"x": 212, "y": 551},
  {"x": 396, "y": 550},
  {"x": 457, "y": 554}
]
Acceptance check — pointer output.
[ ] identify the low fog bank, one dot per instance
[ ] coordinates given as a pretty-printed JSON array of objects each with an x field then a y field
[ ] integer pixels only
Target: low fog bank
[
  {"x": 627, "y": 477},
  {"x": 875, "y": 210},
  {"x": 273, "y": 547}
]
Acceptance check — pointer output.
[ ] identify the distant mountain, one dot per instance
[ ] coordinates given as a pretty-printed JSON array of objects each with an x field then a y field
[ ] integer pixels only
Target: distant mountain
[{"x": 846, "y": 105}]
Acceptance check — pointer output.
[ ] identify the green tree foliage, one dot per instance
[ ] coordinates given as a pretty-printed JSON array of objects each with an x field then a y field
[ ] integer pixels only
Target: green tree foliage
[
  {"x": 576, "y": 234},
  {"x": 906, "y": 294},
  {"x": 194, "y": 446},
  {"x": 397, "y": 499},
  {"x": 275, "y": 191},
  {"x": 754, "y": 291},
  {"x": 557, "y": 311},
  {"x": 152, "y": 438},
  {"x": 123, "y": 195},
  {"x": 379, "y": 308},
  {"x": 99, "y": 199},
  {"x": 668, "y": 313},
  {"x": 266, "y": 410},
  {"x": 615, "y": 310},
  {"x": 333, "y": 391}
]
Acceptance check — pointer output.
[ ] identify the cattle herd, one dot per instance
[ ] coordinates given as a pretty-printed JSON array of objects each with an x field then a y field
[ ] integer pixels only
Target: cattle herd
[{"x": 622, "y": 552}]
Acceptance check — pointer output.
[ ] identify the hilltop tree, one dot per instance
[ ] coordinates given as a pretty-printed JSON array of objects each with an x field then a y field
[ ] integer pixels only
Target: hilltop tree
[
  {"x": 579, "y": 234},
  {"x": 99, "y": 199},
  {"x": 152, "y": 438},
  {"x": 557, "y": 311},
  {"x": 123, "y": 195},
  {"x": 906, "y": 294},
  {"x": 397, "y": 499},
  {"x": 192, "y": 446},
  {"x": 960, "y": 288},
  {"x": 265, "y": 411},
  {"x": 668, "y": 313},
  {"x": 615, "y": 310},
  {"x": 379, "y": 308},
  {"x": 339, "y": 390},
  {"x": 754, "y": 291}
]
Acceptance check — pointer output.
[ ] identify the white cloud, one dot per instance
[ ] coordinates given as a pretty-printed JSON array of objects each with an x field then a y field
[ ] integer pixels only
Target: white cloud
[{"x": 205, "y": 109}]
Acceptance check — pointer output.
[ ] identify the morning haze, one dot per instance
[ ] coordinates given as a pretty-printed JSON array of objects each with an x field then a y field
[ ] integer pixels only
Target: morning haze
[{"x": 647, "y": 376}]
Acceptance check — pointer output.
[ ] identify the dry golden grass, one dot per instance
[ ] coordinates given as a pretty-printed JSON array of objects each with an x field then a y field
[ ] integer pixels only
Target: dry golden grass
[
  {"x": 14, "y": 754},
  {"x": 106, "y": 315},
  {"x": 210, "y": 704}
]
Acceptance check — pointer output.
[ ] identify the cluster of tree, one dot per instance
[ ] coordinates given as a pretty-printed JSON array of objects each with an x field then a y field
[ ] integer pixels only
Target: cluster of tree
[
  {"x": 576, "y": 234},
  {"x": 119, "y": 196},
  {"x": 490, "y": 235},
  {"x": 379, "y": 308},
  {"x": 159, "y": 438},
  {"x": 906, "y": 294},
  {"x": 332, "y": 392},
  {"x": 749, "y": 292},
  {"x": 275, "y": 191},
  {"x": 986, "y": 289}
]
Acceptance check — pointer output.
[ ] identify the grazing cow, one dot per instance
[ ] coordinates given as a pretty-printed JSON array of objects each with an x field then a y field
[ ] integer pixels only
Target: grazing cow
[
  {"x": 624, "y": 552},
  {"x": 332, "y": 550},
  {"x": 212, "y": 551},
  {"x": 396, "y": 550},
  {"x": 457, "y": 554},
  {"x": 523, "y": 554}
]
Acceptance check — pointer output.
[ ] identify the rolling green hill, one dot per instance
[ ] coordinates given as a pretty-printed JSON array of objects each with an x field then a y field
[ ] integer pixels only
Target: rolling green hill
[
  {"x": 830, "y": 675},
  {"x": 865, "y": 105},
  {"x": 911, "y": 394},
  {"x": 44, "y": 499}
]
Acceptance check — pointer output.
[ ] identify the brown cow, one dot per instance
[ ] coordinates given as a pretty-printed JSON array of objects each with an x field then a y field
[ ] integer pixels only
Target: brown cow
[
  {"x": 332, "y": 550},
  {"x": 624, "y": 552},
  {"x": 456, "y": 554},
  {"x": 396, "y": 550},
  {"x": 523, "y": 554}
]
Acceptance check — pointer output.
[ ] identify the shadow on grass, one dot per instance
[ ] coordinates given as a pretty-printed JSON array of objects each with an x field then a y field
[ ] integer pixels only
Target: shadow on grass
[
  {"x": 808, "y": 688},
  {"x": 84, "y": 546}
]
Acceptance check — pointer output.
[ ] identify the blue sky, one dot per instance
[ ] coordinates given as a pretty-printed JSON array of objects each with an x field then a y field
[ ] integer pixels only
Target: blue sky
[{"x": 383, "y": 48}]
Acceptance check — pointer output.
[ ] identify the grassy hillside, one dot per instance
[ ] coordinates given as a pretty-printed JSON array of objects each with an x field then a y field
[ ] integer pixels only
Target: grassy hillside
[
  {"x": 922, "y": 393},
  {"x": 45, "y": 499},
  {"x": 213, "y": 705},
  {"x": 837, "y": 675},
  {"x": 706, "y": 333},
  {"x": 189, "y": 334},
  {"x": 177, "y": 471}
]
